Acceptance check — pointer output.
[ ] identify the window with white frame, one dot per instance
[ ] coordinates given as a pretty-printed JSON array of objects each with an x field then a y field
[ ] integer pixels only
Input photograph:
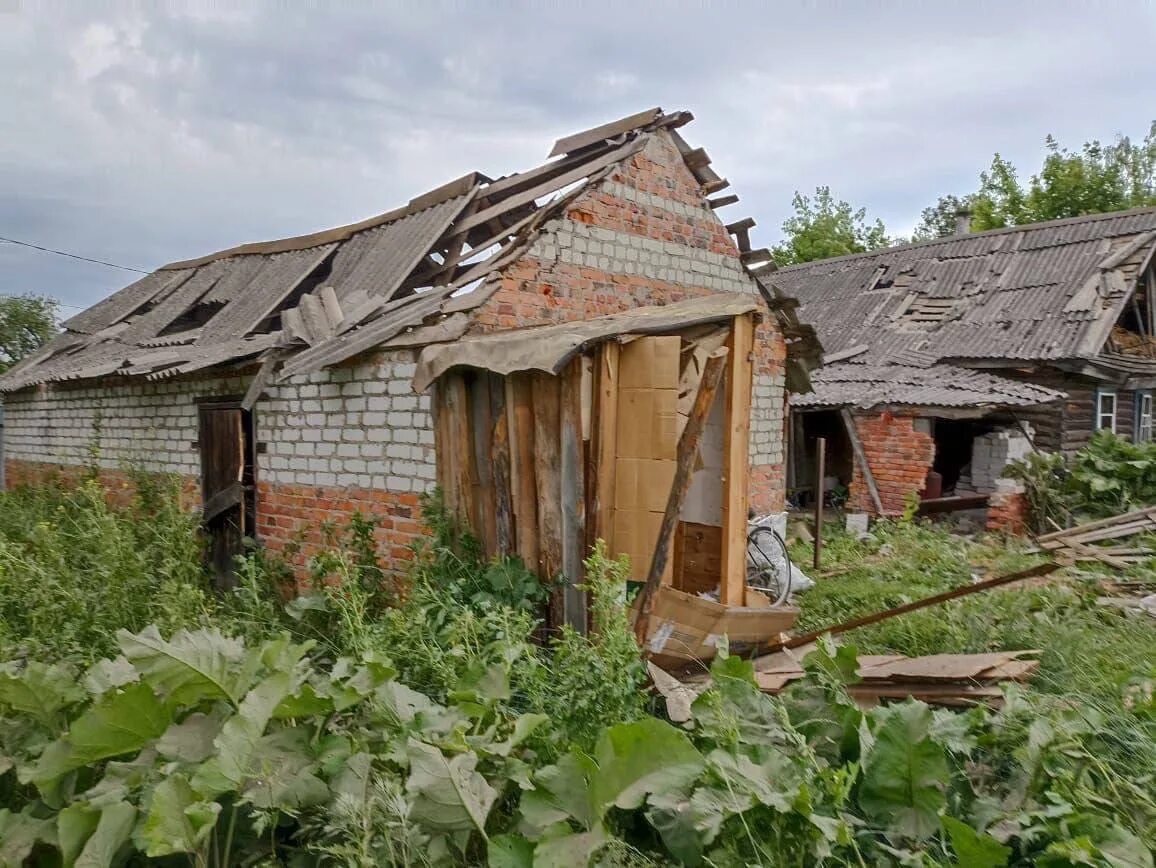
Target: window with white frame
[
  {"x": 1106, "y": 411},
  {"x": 1143, "y": 417}
]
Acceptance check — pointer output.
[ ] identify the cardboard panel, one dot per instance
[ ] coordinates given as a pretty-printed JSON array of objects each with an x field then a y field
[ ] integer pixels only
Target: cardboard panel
[
  {"x": 648, "y": 423},
  {"x": 635, "y": 534},
  {"x": 643, "y": 483},
  {"x": 650, "y": 363}
]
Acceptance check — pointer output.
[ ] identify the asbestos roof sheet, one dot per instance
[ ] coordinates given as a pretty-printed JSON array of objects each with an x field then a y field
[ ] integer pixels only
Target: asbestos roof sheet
[
  {"x": 548, "y": 348},
  {"x": 940, "y": 385},
  {"x": 1016, "y": 292},
  {"x": 322, "y": 298}
]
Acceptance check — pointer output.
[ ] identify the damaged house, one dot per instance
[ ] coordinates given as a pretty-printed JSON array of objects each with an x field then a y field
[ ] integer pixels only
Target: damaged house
[
  {"x": 277, "y": 379},
  {"x": 947, "y": 359}
]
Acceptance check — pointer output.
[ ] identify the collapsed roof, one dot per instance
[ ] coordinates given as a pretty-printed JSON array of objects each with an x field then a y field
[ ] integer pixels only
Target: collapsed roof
[
  {"x": 1041, "y": 293},
  {"x": 404, "y": 278}
]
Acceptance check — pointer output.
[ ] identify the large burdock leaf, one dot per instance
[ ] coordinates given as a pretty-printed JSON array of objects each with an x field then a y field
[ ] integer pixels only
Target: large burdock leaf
[
  {"x": 118, "y": 724},
  {"x": 19, "y": 833},
  {"x": 238, "y": 740},
  {"x": 194, "y": 666},
  {"x": 178, "y": 820},
  {"x": 448, "y": 795},
  {"x": 562, "y": 792},
  {"x": 643, "y": 757},
  {"x": 569, "y": 850},
  {"x": 112, "y": 832},
  {"x": 74, "y": 826},
  {"x": 191, "y": 740},
  {"x": 39, "y": 691},
  {"x": 904, "y": 773}
]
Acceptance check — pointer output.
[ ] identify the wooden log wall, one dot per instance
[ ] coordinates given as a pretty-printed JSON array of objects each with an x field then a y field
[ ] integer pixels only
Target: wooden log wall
[{"x": 513, "y": 467}]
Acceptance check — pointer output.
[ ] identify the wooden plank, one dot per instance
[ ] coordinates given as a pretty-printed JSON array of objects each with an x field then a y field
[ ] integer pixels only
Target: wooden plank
[
  {"x": 221, "y": 501},
  {"x": 573, "y": 142},
  {"x": 1123, "y": 518},
  {"x": 688, "y": 445},
  {"x": 739, "y": 382},
  {"x": 606, "y": 441},
  {"x": 526, "y": 197},
  {"x": 876, "y": 617},
  {"x": 481, "y": 430},
  {"x": 459, "y": 485},
  {"x": 573, "y": 496},
  {"x": 548, "y": 478},
  {"x": 861, "y": 458},
  {"x": 500, "y": 460},
  {"x": 1093, "y": 552},
  {"x": 525, "y": 497}
]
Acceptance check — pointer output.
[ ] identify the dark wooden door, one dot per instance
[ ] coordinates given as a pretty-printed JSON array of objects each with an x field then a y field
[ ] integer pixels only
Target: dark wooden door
[{"x": 226, "y": 486}]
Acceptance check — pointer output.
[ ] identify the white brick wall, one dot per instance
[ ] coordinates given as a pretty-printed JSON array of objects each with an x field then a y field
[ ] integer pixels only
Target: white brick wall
[
  {"x": 767, "y": 416},
  {"x": 360, "y": 426}
]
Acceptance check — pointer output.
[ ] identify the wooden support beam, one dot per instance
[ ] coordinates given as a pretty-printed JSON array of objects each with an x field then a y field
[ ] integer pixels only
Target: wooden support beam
[
  {"x": 481, "y": 429},
  {"x": 722, "y": 202},
  {"x": 606, "y": 442},
  {"x": 688, "y": 445},
  {"x": 740, "y": 380},
  {"x": 861, "y": 458},
  {"x": 573, "y": 497},
  {"x": 259, "y": 383},
  {"x": 548, "y": 480},
  {"x": 500, "y": 460},
  {"x": 459, "y": 485},
  {"x": 525, "y": 495}
]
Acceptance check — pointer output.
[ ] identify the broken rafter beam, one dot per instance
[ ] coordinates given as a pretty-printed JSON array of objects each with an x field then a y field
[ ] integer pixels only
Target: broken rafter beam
[
  {"x": 741, "y": 229},
  {"x": 722, "y": 202},
  {"x": 567, "y": 144}
]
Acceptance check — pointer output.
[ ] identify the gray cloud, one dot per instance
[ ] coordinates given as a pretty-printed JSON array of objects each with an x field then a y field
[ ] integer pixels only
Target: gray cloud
[{"x": 144, "y": 133}]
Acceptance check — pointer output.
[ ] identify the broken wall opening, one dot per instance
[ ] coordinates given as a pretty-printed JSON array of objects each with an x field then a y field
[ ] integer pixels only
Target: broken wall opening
[
  {"x": 542, "y": 465},
  {"x": 839, "y": 458}
]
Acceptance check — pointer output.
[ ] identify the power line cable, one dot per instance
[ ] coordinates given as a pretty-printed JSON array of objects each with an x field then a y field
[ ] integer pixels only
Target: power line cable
[{"x": 73, "y": 255}]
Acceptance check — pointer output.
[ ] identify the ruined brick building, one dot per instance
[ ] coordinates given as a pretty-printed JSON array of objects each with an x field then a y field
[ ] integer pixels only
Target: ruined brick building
[
  {"x": 947, "y": 359},
  {"x": 276, "y": 378}
]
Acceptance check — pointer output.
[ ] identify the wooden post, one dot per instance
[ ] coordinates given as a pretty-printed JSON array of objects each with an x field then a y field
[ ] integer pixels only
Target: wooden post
[
  {"x": 606, "y": 441},
  {"x": 573, "y": 499},
  {"x": 500, "y": 457},
  {"x": 687, "y": 452},
  {"x": 736, "y": 462},
  {"x": 525, "y": 492},
  {"x": 548, "y": 479},
  {"x": 820, "y": 472},
  {"x": 861, "y": 458}
]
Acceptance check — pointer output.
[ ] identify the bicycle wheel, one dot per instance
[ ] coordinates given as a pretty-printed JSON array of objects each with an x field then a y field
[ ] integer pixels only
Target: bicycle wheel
[{"x": 768, "y": 565}]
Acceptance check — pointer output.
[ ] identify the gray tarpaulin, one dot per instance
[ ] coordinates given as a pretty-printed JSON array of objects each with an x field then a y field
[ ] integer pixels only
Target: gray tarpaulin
[{"x": 548, "y": 348}]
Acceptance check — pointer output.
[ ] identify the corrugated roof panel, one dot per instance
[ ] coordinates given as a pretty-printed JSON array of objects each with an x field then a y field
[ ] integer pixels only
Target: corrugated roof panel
[
  {"x": 121, "y": 304},
  {"x": 397, "y": 249}
]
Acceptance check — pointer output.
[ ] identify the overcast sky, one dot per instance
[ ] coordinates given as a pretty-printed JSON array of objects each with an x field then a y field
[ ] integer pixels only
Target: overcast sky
[{"x": 142, "y": 133}]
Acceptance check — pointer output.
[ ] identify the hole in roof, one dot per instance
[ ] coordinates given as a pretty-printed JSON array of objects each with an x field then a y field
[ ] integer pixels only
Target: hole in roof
[{"x": 466, "y": 289}]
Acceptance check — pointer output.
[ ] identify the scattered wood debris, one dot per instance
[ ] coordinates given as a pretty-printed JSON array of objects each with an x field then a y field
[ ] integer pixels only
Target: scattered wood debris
[
  {"x": 937, "y": 679},
  {"x": 1076, "y": 543}
]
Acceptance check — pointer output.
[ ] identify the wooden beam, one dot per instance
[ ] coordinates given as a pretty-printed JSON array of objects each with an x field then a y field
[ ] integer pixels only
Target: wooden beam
[
  {"x": 459, "y": 486},
  {"x": 481, "y": 429},
  {"x": 740, "y": 380},
  {"x": 573, "y": 497},
  {"x": 861, "y": 458},
  {"x": 855, "y": 623},
  {"x": 500, "y": 460},
  {"x": 259, "y": 383},
  {"x": 688, "y": 445},
  {"x": 606, "y": 441},
  {"x": 548, "y": 480},
  {"x": 224, "y": 499},
  {"x": 525, "y": 494},
  {"x": 721, "y": 202}
]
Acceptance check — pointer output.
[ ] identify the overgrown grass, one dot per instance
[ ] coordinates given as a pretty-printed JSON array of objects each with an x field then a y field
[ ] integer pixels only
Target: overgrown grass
[{"x": 74, "y": 569}]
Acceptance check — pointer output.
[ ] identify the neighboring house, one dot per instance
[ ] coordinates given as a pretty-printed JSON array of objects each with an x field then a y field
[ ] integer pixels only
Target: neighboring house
[
  {"x": 276, "y": 378},
  {"x": 953, "y": 356}
]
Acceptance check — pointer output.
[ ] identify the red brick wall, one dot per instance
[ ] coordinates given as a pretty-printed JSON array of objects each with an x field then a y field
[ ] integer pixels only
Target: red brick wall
[
  {"x": 900, "y": 450},
  {"x": 290, "y": 519},
  {"x": 1007, "y": 512},
  {"x": 118, "y": 484},
  {"x": 537, "y": 292}
]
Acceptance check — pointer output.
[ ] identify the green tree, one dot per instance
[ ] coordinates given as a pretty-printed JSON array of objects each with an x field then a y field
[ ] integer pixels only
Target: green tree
[
  {"x": 26, "y": 323},
  {"x": 822, "y": 227},
  {"x": 1096, "y": 179}
]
